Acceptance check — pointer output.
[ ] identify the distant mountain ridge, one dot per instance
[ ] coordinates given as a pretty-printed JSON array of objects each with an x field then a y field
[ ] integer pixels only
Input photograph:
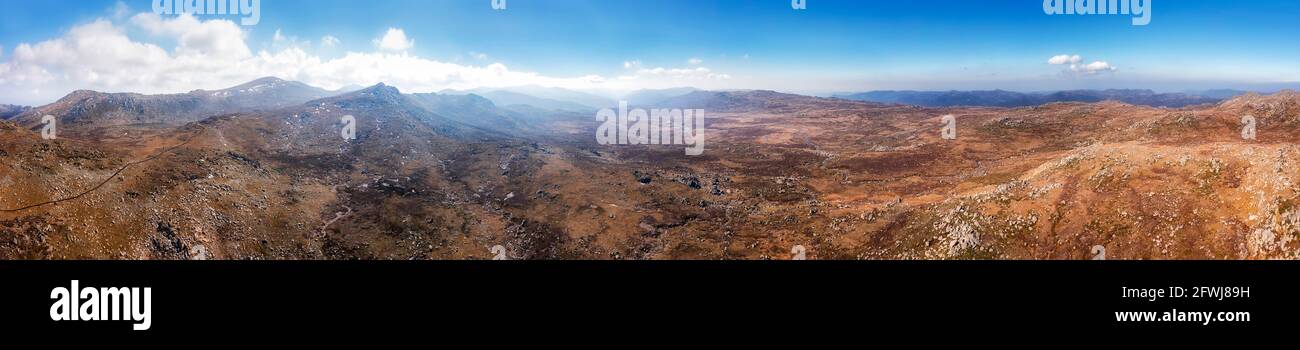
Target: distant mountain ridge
[
  {"x": 390, "y": 111},
  {"x": 512, "y": 110},
  {"x": 1002, "y": 98},
  {"x": 650, "y": 97},
  {"x": 510, "y": 98},
  {"x": 92, "y": 109},
  {"x": 540, "y": 97},
  {"x": 741, "y": 100},
  {"x": 471, "y": 110},
  {"x": 559, "y": 99},
  {"x": 269, "y": 93},
  {"x": 9, "y": 111}
]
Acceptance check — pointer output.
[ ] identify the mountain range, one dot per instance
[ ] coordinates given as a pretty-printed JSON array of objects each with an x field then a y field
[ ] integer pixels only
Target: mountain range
[
  {"x": 512, "y": 98},
  {"x": 269, "y": 170},
  {"x": 8, "y": 111},
  {"x": 569, "y": 100},
  {"x": 85, "y": 111},
  {"x": 1001, "y": 98}
]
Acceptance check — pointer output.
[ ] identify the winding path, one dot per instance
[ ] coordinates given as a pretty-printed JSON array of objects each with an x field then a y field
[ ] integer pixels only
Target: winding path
[{"x": 110, "y": 178}]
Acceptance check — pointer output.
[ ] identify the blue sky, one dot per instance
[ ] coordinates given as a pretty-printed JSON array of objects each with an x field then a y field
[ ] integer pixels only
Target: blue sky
[{"x": 832, "y": 46}]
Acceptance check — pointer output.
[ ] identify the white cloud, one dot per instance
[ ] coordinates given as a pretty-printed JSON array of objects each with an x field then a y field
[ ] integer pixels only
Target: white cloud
[
  {"x": 1094, "y": 67},
  {"x": 668, "y": 77},
  {"x": 120, "y": 10},
  {"x": 684, "y": 74},
  {"x": 1063, "y": 59},
  {"x": 213, "y": 54},
  {"x": 478, "y": 56},
  {"x": 280, "y": 41},
  {"x": 95, "y": 54},
  {"x": 219, "y": 39},
  {"x": 329, "y": 41},
  {"x": 395, "y": 40},
  {"x": 1077, "y": 68}
]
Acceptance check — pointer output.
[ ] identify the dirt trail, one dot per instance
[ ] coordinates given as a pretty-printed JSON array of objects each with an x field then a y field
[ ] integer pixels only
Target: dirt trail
[{"x": 106, "y": 180}]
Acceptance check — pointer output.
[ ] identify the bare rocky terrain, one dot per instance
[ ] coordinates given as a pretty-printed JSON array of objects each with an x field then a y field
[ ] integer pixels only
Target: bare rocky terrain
[{"x": 432, "y": 176}]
